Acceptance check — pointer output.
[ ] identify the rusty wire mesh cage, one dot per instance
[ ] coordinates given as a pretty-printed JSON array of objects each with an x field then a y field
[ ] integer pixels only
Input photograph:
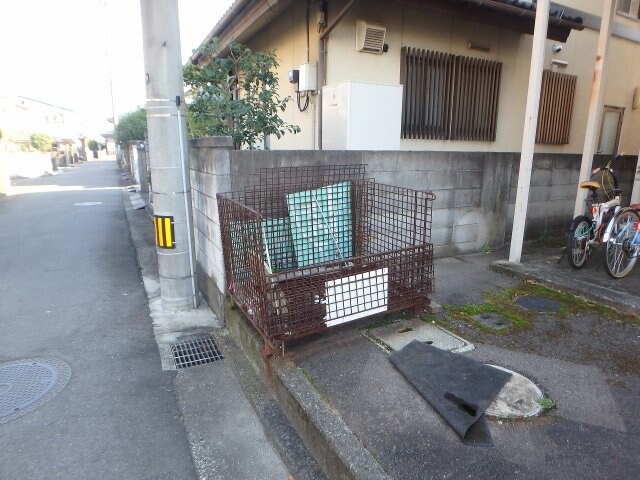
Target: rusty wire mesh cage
[{"x": 313, "y": 247}]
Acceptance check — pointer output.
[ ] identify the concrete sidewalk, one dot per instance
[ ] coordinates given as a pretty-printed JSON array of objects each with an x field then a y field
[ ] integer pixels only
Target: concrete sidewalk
[
  {"x": 362, "y": 415},
  {"x": 234, "y": 427}
]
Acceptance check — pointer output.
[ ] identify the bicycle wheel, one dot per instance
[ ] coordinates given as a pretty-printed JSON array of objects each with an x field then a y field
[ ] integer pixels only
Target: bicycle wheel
[
  {"x": 578, "y": 241},
  {"x": 619, "y": 257}
]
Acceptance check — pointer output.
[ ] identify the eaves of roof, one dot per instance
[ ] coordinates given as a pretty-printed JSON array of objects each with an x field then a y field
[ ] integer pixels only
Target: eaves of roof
[
  {"x": 241, "y": 21},
  {"x": 245, "y": 17}
]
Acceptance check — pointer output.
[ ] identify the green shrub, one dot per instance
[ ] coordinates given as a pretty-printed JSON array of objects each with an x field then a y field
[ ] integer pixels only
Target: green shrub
[
  {"x": 41, "y": 142},
  {"x": 236, "y": 95},
  {"x": 131, "y": 127}
]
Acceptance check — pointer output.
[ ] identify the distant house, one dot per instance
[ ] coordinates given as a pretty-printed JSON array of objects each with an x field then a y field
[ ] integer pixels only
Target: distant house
[
  {"x": 109, "y": 143},
  {"x": 438, "y": 75},
  {"x": 20, "y": 117}
]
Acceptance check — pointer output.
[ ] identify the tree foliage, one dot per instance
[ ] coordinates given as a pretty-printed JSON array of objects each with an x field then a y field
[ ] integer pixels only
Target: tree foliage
[
  {"x": 131, "y": 127},
  {"x": 235, "y": 95},
  {"x": 41, "y": 142},
  {"x": 93, "y": 146}
]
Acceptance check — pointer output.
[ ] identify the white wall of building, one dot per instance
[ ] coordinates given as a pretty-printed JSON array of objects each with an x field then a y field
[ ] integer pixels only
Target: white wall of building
[{"x": 422, "y": 28}]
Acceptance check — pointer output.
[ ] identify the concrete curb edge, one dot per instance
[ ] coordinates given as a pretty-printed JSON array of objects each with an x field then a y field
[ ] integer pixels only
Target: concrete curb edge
[
  {"x": 334, "y": 446},
  {"x": 594, "y": 294}
]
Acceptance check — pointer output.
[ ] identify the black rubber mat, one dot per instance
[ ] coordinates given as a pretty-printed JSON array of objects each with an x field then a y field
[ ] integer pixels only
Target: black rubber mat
[{"x": 459, "y": 388}]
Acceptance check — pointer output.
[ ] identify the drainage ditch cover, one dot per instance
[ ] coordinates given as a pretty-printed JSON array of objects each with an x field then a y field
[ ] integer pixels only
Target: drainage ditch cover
[
  {"x": 87, "y": 204},
  {"x": 400, "y": 334},
  {"x": 517, "y": 399},
  {"x": 26, "y": 385},
  {"x": 537, "y": 304},
  {"x": 493, "y": 320},
  {"x": 195, "y": 350}
]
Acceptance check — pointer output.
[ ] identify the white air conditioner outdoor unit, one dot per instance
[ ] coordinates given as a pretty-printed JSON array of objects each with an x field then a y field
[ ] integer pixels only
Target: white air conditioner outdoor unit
[{"x": 369, "y": 36}]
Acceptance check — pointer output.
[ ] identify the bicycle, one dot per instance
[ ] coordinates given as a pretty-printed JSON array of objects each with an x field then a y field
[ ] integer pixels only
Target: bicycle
[
  {"x": 603, "y": 201},
  {"x": 622, "y": 241}
]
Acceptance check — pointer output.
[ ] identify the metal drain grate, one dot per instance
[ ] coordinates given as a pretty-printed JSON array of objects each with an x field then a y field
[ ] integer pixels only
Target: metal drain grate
[{"x": 195, "y": 350}]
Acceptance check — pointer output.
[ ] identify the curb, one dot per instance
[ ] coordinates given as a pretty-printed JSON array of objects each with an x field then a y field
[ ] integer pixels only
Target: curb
[
  {"x": 619, "y": 301},
  {"x": 334, "y": 446}
]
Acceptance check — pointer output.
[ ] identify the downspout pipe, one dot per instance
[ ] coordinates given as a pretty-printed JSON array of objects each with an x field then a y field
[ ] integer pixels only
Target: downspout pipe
[{"x": 321, "y": 61}]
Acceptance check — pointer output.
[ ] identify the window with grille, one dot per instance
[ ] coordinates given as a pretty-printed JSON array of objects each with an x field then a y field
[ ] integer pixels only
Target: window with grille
[
  {"x": 449, "y": 97},
  {"x": 630, "y": 8},
  {"x": 556, "y": 107}
]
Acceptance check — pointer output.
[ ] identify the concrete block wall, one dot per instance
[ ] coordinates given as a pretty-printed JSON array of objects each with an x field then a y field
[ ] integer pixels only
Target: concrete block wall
[
  {"x": 471, "y": 188},
  {"x": 209, "y": 169},
  {"x": 554, "y": 183},
  {"x": 475, "y": 193}
]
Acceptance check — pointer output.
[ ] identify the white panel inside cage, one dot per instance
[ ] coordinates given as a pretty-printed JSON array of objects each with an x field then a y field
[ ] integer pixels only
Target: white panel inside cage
[{"x": 356, "y": 296}]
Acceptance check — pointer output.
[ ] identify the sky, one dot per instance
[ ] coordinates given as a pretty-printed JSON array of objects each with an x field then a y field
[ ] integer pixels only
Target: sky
[{"x": 64, "y": 52}]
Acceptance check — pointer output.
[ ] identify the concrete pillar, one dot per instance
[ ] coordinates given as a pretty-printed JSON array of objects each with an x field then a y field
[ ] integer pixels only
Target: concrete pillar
[
  {"x": 5, "y": 181},
  {"x": 529, "y": 132},
  {"x": 168, "y": 150},
  {"x": 635, "y": 193},
  {"x": 595, "y": 103}
]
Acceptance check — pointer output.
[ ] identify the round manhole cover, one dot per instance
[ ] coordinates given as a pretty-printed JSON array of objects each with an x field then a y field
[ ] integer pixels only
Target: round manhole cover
[
  {"x": 537, "y": 304},
  {"x": 517, "y": 399},
  {"x": 25, "y": 385}
]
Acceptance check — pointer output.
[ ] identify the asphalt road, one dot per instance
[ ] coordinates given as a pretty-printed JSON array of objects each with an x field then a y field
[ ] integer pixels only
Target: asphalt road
[{"x": 71, "y": 290}]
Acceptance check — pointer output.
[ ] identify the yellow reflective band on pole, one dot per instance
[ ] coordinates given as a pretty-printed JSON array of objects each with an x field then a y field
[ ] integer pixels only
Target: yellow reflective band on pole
[{"x": 165, "y": 237}]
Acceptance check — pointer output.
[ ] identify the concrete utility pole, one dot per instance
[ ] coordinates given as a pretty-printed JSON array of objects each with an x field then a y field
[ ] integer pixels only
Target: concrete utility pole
[
  {"x": 635, "y": 193},
  {"x": 168, "y": 153},
  {"x": 529, "y": 132},
  {"x": 595, "y": 104}
]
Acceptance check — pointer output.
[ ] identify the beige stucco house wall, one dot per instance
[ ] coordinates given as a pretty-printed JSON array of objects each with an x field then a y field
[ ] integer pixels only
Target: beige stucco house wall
[{"x": 422, "y": 28}]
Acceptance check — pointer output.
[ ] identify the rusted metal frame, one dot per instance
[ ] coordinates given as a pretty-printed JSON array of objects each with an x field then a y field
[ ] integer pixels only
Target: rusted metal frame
[
  {"x": 264, "y": 315},
  {"x": 236, "y": 288},
  {"x": 410, "y": 273}
]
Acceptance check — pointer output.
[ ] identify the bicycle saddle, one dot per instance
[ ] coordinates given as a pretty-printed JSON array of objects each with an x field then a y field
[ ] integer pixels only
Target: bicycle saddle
[{"x": 591, "y": 185}]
